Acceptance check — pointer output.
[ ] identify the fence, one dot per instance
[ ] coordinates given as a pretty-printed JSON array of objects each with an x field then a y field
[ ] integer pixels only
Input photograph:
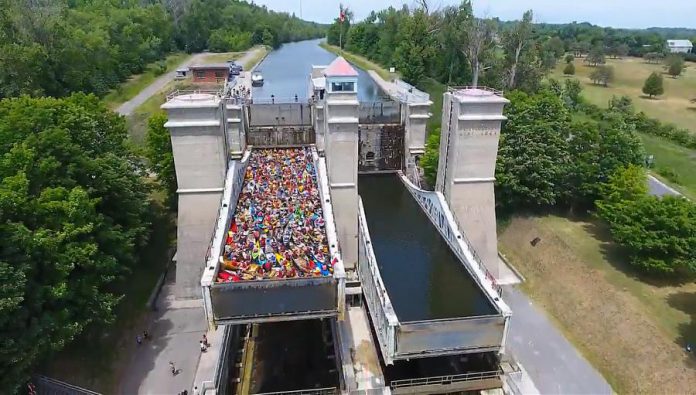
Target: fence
[
  {"x": 48, "y": 386},
  {"x": 318, "y": 391},
  {"x": 446, "y": 380}
]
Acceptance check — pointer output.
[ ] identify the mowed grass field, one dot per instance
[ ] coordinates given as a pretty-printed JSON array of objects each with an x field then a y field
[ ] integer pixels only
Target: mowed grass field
[
  {"x": 633, "y": 331},
  {"x": 673, "y": 106}
]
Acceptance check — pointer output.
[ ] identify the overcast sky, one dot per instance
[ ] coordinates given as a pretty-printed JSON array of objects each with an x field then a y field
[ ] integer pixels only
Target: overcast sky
[{"x": 615, "y": 13}]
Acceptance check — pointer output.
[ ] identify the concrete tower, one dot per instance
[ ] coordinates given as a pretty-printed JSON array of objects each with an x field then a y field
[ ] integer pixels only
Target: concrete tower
[
  {"x": 471, "y": 121},
  {"x": 200, "y": 156},
  {"x": 341, "y": 151}
]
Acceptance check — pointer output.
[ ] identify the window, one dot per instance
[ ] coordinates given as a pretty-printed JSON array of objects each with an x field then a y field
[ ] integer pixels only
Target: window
[
  {"x": 343, "y": 87},
  {"x": 220, "y": 74},
  {"x": 199, "y": 74}
]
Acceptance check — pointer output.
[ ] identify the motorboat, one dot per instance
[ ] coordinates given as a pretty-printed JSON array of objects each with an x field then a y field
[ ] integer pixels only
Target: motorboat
[{"x": 256, "y": 78}]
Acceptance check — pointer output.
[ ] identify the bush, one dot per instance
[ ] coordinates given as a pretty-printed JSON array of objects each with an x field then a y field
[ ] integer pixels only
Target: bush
[
  {"x": 669, "y": 174},
  {"x": 569, "y": 69},
  {"x": 569, "y": 58},
  {"x": 654, "y": 85},
  {"x": 160, "y": 68}
]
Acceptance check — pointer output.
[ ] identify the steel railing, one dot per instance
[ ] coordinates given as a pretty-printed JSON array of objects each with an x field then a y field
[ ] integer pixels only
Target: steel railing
[
  {"x": 445, "y": 380},
  {"x": 460, "y": 89},
  {"x": 179, "y": 92},
  {"x": 47, "y": 385},
  {"x": 317, "y": 391},
  {"x": 498, "y": 288}
]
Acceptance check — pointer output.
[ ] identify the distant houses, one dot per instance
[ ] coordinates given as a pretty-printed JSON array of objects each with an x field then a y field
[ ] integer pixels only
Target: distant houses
[{"x": 679, "y": 46}]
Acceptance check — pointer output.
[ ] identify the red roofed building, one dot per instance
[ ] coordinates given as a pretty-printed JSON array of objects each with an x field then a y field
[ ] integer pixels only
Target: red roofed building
[{"x": 341, "y": 76}]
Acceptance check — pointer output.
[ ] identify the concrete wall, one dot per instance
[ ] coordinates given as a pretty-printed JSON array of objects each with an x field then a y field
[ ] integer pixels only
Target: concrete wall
[
  {"x": 471, "y": 122},
  {"x": 199, "y": 144},
  {"x": 280, "y": 114},
  {"x": 236, "y": 136},
  {"x": 280, "y": 136}
]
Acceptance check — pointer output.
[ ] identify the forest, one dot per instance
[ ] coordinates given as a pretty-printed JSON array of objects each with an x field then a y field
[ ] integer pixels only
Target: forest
[{"x": 54, "y": 48}]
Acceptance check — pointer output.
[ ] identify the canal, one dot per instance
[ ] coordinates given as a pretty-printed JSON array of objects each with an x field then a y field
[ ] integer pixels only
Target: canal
[{"x": 286, "y": 72}]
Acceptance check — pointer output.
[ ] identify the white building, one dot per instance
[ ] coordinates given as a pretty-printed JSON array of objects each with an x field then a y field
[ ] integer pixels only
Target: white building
[{"x": 679, "y": 46}]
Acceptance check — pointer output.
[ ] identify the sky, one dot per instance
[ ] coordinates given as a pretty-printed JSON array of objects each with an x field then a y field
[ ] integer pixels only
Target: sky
[{"x": 614, "y": 13}]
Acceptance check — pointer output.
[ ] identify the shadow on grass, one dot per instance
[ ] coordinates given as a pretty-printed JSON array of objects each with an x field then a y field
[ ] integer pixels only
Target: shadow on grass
[
  {"x": 93, "y": 359},
  {"x": 686, "y": 302},
  {"x": 617, "y": 256}
]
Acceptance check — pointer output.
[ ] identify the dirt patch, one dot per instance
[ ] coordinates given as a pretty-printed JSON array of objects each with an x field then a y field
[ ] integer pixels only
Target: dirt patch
[{"x": 612, "y": 327}]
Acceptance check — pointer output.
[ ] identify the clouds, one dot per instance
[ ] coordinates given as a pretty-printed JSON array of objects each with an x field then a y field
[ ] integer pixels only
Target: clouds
[{"x": 615, "y": 13}]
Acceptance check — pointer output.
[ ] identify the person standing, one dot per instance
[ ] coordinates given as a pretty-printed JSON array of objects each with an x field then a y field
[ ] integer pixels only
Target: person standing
[
  {"x": 204, "y": 348},
  {"x": 139, "y": 340},
  {"x": 172, "y": 368},
  {"x": 205, "y": 340}
]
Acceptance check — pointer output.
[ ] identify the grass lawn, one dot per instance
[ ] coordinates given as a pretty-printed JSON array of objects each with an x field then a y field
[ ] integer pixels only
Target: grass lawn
[
  {"x": 632, "y": 331},
  {"x": 630, "y": 74},
  {"x": 136, "y": 83},
  {"x": 221, "y": 57},
  {"x": 360, "y": 61},
  {"x": 674, "y": 163},
  {"x": 260, "y": 54},
  {"x": 95, "y": 359}
]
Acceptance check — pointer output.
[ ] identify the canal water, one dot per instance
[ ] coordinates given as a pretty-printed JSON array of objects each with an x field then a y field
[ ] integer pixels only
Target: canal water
[
  {"x": 286, "y": 72},
  {"x": 424, "y": 279}
]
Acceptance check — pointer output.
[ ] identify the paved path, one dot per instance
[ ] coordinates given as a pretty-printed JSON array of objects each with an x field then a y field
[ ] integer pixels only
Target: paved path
[
  {"x": 659, "y": 188},
  {"x": 128, "y": 107},
  {"x": 175, "y": 329},
  {"x": 551, "y": 361}
]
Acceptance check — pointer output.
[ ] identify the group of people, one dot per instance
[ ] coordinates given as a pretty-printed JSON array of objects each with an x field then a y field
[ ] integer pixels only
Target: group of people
[{"x": 278, "y": 228}]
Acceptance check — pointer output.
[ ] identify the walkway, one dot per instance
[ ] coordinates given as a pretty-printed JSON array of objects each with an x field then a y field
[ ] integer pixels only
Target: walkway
[
  {"x": 175, "y": 329},
  {"x": 659, "y": 188},
  {"x": 552, "y": 362}
]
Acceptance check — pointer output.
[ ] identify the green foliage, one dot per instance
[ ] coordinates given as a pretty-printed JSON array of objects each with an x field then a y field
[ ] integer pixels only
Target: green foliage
[
  {"x": 569, "y": 58},
  {"x": 73, "y": 213},
  {"x": 415, "y": 48},
  {"x": 533, "y": 153},
  {"x": 658, "y": 233},
  {"x": 596, "y": 56},
  {"x": 674, "y": 65},
  {"x": 431, "y": 157},
  {"x": 654, "y": 85},
  {"x": 569, "y": 69},
  {"x": 556, "y": 46},
  {"x": 91, "y": 46},
  {"x": 653, "y": 57},
  {"x": 602, "y": 75},
  {"x": 158, "y": 145}
]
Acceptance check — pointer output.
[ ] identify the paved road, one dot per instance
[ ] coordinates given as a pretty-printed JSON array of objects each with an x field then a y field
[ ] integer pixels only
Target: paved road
[
  {"x": 128, "y": 107},
  {"x": 659, "y": 188},
  {"x": 551, "y": 361}
]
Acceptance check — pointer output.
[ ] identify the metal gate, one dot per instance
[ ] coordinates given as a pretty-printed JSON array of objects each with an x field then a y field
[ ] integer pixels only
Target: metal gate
[{"x": 381, "y": 148}]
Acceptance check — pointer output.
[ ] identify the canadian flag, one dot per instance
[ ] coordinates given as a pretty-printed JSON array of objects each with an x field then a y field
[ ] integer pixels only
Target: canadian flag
[{"x": 341, "y": 14}]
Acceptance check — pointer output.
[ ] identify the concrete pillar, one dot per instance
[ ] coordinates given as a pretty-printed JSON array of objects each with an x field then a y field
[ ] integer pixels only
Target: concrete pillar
[
  {"x": 415, "y": 118},
  {"x": 236, "y": 136},
  {"x": 341, "y": 151},
  {"x": 199, "y": 145},
  {"x": 471, "y": 121}
]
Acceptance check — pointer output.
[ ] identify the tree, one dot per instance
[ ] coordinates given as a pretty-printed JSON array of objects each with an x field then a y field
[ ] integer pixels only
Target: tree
[
  {"x": 653, "y": 57},
  {"x": 479, "y": 40},
  {"x": 415, "y": 49},
  {"x": 73, "y": 214},
  {"x": 622, "y": 50},
  {"x": 659, "y": 234},
  {"x": 653, "y": 85},
  {"x": 569, "y": 58},
  {"x": 533, "y": 154},
  {"x": 569, "y": 69},
  {"x": 674, "y": 65},
  {"x": 159, "y": 153},
  {"x": 602, "y": 75},
  {"x": 623, "y": 185},
  {"x": 556, "y": 46},
  {"x": 596, "y": 56},
  {"x": 431, "y": 157},
  {"x": 514, "y": 42}
]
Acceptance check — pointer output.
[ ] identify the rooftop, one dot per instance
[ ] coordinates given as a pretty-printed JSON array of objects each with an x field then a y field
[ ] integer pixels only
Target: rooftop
[
  {"x": 340, "y": 68},
  {"x": 679, "y": 43},
  {"x": 225, "y": 66}
]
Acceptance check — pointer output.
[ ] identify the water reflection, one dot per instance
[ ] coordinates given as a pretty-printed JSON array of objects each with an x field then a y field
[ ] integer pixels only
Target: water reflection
[
  {"x": 286, "y": 72},
  {"x": 424, "y": 278}
]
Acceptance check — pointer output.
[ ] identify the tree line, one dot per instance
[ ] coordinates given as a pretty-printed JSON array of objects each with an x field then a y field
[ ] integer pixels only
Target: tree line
[{"x": 54, "y": 48}]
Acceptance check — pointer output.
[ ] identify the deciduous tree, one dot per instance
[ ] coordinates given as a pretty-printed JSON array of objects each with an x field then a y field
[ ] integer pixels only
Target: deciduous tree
[{"x": 674, "y": 65}]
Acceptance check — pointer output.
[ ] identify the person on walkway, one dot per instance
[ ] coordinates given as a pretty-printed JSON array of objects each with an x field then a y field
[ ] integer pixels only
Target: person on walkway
[
  {"x": 146, "y": 335},
  {"x": 205, "y": 340},
  {"x": 204, "y": 348},
  {"x": 139, "y": 340},
  {"x": 688, "y": 347},
  {"x": 196, "y": 391},
  {"x": 172, "y": 368}
]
